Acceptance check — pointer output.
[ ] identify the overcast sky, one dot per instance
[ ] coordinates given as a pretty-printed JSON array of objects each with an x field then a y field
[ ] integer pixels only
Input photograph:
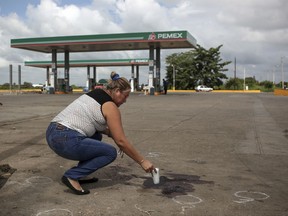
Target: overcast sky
[{"x": 255, "y": 32}]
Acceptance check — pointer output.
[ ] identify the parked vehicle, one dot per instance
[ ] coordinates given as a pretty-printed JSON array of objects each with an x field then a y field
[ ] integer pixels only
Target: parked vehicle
[
  {"x": 203, "y": 88},
  {"x": 85, "y": 89}
]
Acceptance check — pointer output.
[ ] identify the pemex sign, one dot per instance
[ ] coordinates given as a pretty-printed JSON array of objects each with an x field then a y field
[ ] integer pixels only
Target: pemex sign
[
  {"x": 167, "y": 35},
  {"x": 170, "y": 36}
]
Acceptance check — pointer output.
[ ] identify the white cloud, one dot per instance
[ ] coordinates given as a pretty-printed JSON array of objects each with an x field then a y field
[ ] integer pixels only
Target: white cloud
[
  {"x": 12, "y": 25},
  {"x": 4, "y": 62},
  {"x": 137, "y": 15},
  {"x": 256, "y": 14},
  {"x": 55, "y": 20}
]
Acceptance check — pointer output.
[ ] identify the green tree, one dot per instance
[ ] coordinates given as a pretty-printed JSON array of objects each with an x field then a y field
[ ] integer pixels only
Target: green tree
[
  {"x": 251, "y": 82},
  {"x": 27, "y": 85},
  {"x": 234, "y": 84},
  {"x": 199, "y": 66},
  {"x": 5, "y": 86},
  {"x": 73, "y": 86},
  {"x": 182, "y": 65},
  {"x": 267, "y": 84}
]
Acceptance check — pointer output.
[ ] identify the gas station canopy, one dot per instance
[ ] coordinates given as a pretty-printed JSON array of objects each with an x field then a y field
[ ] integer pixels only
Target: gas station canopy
[
  {"x": 152, "y": 41},
  {"x": 107, "y": 42}
]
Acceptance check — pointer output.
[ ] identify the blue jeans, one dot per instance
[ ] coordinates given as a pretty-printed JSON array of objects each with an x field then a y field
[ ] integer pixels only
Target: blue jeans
[{"x": 91, "y": 153}]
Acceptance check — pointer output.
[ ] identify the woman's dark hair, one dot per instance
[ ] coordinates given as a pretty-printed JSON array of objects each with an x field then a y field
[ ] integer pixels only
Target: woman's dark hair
[{"x": 118, "y": 82}]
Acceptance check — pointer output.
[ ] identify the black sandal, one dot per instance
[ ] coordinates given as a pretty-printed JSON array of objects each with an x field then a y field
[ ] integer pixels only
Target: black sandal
[
  {"x": 87, "y": 181},
  {"x": 66, "y": 181}
]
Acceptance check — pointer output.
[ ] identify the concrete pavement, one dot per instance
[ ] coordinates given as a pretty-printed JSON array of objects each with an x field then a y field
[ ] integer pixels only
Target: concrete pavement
[{"x": 218, "y": 154}]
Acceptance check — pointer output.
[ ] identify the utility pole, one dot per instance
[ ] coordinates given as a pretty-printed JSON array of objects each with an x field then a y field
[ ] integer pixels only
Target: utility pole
[
  {"x": 244, "y": 86},
  {"x": 19, "y": 78},
  {"x": 282, "y": 72},
  {"x": 10, "y": 77},
  {"x": 174, "y": 77},
  {"x": 234, "y": 73}
]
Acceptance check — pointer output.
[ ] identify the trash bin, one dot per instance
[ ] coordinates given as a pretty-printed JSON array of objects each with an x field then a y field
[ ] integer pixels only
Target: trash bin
[{"x": 152, "y": 91}]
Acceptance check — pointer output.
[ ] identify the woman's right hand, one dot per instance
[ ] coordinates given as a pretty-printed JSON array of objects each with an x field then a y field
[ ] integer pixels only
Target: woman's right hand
[{"x": 147, "y": 166}]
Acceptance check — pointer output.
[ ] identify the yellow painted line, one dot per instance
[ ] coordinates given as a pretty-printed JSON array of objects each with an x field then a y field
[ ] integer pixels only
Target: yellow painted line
[
  {"x": 220, "y": 91},
  {"x": 171, "y": 91},
  {"x": 22, "y": 90}
]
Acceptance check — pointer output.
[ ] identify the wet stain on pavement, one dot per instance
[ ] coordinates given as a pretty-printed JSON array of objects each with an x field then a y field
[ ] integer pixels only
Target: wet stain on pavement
[
  {"x": 111, "y": 176},
  {"x": 118, "y": 173},
  {"x": 175, "y": 184},
  {"x": 5, "y": 172},
  {"x": 171, "y": 185}
]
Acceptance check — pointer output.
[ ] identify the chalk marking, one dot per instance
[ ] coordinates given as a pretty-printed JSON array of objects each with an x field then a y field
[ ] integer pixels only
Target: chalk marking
[
  {"x": 197, "y": 200},
  {"x": 244, "y": 199},
  {"x": 141, "y": 210},
  {"x": 185, "y": 207},
  {"x": 16, "y": 182},
  {"x": 153, "y": 154},
  {"x": 55, "y": 210},
  {"x": 32, "y": 180},
  {"x": 38, "y": 180},
  {"x": 186, "y": 204}
]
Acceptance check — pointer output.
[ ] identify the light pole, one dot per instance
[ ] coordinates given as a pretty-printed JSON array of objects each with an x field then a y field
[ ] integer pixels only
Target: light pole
[
  {"x": 174, "y": 77},
  {"x": 282, "y": 71},
  {"x": 244, "y": 87}
]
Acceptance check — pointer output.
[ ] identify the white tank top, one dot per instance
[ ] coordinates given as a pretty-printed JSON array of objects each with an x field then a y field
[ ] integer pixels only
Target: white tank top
[{"x": 85, "y": 113}]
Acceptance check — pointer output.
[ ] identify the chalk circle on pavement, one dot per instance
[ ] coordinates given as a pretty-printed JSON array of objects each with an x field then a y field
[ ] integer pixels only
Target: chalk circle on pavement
[
  {"x": 39, "y": 180},
  {"x": 56, "y": 212},
  {"x": 187, "y": 200}
]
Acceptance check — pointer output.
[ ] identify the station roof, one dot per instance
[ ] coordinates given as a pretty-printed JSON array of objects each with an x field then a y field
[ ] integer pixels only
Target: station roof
[
  {"x": 107, "y": 42},
  {"x": 85, "y": 63}
]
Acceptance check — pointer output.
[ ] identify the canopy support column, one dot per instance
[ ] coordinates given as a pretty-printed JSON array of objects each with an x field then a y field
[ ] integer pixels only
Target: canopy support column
[
  {"x": 137, "y": 75},
  {"x": 158, "y": 74},
  {"x": 94, "y": 74},
  {"x": 54, "y": 70},
  {"x": 88, "y": 78},
  {"x": 132, "y": 78},
  {"x": 66, "y": 71},
  {"x": 48, "y": 83},
  {"x": 151, "y": 66}
]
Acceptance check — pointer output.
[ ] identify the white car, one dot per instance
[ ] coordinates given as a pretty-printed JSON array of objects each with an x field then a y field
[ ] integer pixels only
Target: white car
[{"x": 203, "y": 88}]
